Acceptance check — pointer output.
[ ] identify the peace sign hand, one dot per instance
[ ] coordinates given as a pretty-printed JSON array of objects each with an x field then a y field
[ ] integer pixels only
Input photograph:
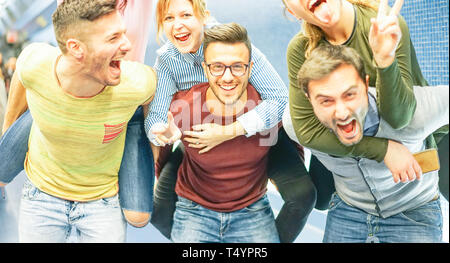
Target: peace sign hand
[{"x": 385, "y": 33}]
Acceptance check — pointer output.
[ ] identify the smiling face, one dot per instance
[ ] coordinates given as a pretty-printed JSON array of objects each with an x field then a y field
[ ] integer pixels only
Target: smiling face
[
  {"x": 340, "y": 102},
  {"x": 106, "y": 44},
  {"x": 322, "y": 13},
  {"x": 228, "y": 89},
  {"x": 182, "y": 26}
]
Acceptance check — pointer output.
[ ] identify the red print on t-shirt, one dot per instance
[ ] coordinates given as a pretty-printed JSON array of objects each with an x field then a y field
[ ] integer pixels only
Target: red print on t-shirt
[{"x": 112, "y": 131}]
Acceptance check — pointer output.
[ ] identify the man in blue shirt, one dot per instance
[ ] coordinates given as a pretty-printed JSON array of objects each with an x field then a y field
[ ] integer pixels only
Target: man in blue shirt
[{"x": 370, "y": 204}]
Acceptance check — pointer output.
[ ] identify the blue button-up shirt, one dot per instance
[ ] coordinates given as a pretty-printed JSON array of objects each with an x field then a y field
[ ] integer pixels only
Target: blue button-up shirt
[{"x": 177, "y": 71}]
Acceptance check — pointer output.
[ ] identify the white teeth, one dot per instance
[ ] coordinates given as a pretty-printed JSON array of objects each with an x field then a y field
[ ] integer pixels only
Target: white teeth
[
  {"x": 346, "y": 123},
  {"x": 227, "y": 87},
  {"x": 311, "y": 3},
  {"x": 181, "y": 35}
]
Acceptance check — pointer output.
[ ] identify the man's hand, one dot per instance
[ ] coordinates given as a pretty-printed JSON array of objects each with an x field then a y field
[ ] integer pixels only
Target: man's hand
[
  {"x": 2, "y": 184},
  {"x": 209, "y": 135},
  {"x": 167, "y": 133},
  {"x": 401, "y": 163},
  {"x": 385, "y": 33}
]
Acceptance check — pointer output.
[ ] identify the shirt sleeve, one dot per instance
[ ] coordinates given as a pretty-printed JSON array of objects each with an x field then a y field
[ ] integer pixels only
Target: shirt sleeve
[
  {"x": 274, "y": 94},
  {"x": 310, "y": 132},
  {"x": 158, "y": 108},
  {"x": 396, "y": 101}
]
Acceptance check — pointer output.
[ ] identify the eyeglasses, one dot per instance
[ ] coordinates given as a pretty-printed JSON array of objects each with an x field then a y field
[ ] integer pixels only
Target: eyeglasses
[{"x": 218, "y": 69}]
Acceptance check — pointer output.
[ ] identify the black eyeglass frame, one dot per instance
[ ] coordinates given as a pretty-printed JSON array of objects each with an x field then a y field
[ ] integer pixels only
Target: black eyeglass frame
[{"x": 225, "y": 69}]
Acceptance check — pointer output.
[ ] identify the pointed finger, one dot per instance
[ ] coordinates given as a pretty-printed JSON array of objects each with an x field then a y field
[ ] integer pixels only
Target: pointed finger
[
  {"x": 382, "y": 9},
  {"x": 396, "y": 8}
]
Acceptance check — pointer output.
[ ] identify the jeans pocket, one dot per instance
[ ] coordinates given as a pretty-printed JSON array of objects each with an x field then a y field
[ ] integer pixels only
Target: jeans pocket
[
  {"x": 261, "y": 204},
  {"x": 429, "y": 214},
  {"x": 29, "y": 191},
  {"x": 112, "y": 201}
]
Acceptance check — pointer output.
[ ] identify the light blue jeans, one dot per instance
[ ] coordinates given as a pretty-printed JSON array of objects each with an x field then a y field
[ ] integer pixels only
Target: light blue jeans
[
  {"x": 46, "y": 219},
  {"x": 346, "y": 224},
  {"x": 193, "y": 223}
]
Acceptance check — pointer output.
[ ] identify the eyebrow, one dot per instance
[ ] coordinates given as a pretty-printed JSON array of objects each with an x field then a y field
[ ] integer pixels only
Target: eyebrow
[
  {"x": 116, "y": 33},
  {"x": 346, "y": 91}
]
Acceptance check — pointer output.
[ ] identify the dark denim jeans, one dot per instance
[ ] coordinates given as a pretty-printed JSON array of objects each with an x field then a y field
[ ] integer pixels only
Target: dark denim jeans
[{"x": 136, "y": 175}]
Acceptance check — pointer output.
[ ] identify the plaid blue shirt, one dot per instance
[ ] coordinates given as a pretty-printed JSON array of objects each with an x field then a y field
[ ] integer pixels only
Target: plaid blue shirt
[{"x": 177, "y": 71}]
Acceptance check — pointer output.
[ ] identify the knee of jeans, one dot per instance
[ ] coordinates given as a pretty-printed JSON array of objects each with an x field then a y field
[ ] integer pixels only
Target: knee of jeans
[{"x": 137, "y": 219}]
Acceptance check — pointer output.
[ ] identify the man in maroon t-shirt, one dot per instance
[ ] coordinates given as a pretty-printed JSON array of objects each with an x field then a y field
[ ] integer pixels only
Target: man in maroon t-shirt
[{"x": 222, "y": 193}]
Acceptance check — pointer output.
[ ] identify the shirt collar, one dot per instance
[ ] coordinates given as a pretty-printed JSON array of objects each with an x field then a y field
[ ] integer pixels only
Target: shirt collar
[
  {"x": 191, "y": 58},
  {"x": 372, "y": 119}
]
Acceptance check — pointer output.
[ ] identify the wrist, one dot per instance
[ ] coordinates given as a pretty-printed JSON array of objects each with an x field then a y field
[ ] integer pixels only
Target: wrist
[
  {"x": 235, "y": 129},
  {"x": 383, "y": 62}
]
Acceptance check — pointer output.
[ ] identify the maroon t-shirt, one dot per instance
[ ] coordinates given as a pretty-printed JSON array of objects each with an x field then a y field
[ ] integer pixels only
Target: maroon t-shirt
[{"x": 233, "y": 174}]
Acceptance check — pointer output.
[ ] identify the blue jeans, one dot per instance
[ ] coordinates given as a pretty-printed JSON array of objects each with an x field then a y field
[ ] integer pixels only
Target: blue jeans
[
  {"x": 47, "y": 219},
  {"x": 136, "y": 175},
  {"x": 193, "y": 223},
  {"x": 347, "y": 224}
]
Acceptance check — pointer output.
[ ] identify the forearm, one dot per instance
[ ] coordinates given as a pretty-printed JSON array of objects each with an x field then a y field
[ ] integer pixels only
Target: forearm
[
  {"x": 396, "y": 101},
  {"x": 273, "y": 92},
  {"x": 160, "y": 104}
]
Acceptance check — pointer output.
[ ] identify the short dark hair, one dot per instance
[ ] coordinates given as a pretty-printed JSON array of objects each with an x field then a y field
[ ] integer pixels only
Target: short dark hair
[
  {"x": 70, "y": 13},
  {"x": 326, "y": 58},
  {"x": 227, "y": 33}
]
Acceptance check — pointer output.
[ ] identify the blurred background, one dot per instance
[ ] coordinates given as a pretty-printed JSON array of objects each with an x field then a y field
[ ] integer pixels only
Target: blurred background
[{"x": 270, "y": 29}]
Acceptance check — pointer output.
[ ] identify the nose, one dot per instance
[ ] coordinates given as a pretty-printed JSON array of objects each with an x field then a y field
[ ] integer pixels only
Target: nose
[
  {"x": 342, "y": 112},
  {"x": 227, "y": 75},
  {"x": 126, "y": 45},
  {"x": 178, "y": 23}
]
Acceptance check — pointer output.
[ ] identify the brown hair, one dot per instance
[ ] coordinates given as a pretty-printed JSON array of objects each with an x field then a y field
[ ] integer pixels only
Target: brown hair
[
  {"x": 325, "y": 59},
  {"x": 230, "y": 33},
  {"x": 199, "y": 7},
  {"x": 70, "y": 14}
]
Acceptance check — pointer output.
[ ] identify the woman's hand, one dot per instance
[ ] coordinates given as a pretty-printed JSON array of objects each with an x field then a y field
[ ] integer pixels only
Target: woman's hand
[{"x": 385, "y": 33}]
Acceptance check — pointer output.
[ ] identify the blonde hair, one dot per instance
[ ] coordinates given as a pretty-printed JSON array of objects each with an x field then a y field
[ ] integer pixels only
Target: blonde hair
[
  {"x": 199, "y": 7},
  {"x": 314, "y": 33}
]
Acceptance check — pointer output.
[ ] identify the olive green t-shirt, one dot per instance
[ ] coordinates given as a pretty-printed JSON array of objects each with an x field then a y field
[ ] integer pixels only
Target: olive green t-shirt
[{"x": 396, "y": 102}]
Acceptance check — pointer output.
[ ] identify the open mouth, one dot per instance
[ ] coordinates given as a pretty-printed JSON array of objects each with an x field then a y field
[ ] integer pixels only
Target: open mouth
[
  {"x": 320, "y": 9},
  {"x": 315, "y": 3},
  {"x": 182, "y": 37},
  {"x": 349, "y": 129},
  {"x": 114, "y": 65}
]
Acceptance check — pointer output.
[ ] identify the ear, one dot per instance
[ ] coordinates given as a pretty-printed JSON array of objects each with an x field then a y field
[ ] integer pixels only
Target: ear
[
  {"x": 205, "y": 68},
  {"x": 206, "y": 18},
  {"x": 250, "y": 66},
  {"x": 76, "y": 48}
]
